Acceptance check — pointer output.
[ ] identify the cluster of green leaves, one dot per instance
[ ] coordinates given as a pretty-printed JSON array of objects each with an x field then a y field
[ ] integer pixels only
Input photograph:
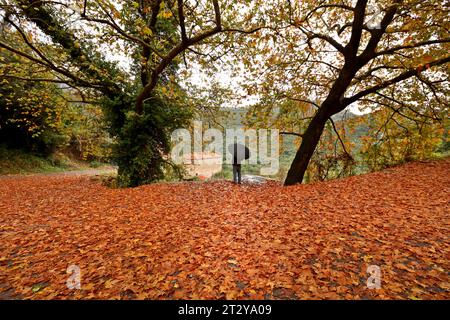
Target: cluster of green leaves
[
  {"x": 35, "y": 116},
  {"x": 30, "y": 113}
]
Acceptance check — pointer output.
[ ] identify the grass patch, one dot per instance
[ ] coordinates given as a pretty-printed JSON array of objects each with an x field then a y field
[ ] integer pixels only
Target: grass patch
[{"x": 16, "y": 161}]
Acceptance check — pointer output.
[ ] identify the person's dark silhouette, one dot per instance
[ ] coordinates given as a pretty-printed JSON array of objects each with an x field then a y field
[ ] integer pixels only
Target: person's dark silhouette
[{"x": 239, "y": 153}]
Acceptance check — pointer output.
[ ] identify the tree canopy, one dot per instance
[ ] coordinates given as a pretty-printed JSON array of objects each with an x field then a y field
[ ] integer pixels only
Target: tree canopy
[
  {"x": 306, "y": 61},
  {"x": 327, "y": 56}
]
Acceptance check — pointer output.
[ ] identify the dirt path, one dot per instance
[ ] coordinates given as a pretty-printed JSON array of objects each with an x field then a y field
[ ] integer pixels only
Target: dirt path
[{"x": 84, "y": 172}]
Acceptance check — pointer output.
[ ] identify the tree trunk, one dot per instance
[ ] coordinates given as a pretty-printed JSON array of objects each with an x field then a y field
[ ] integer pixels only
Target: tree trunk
[{"x": 311, "y": 138}]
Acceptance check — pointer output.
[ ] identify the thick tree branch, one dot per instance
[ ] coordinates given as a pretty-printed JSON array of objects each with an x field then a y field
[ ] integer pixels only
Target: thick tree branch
[
  {"x": 351, "y": 49},
  {"x": 155, "y": 7},
  {"x": 405, "y": 75},
  {"x": 63, "y": 72},
  {"x": 184, "y": 37},
  {"x": 312, "y": 35},
  {"x": 182, "y": 46},
  {"x": 35, "y": 11},
  {"x": 377, "y": 34}
]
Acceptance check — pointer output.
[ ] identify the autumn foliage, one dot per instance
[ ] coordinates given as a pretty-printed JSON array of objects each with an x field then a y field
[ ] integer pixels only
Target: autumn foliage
[{"x": 216, "y": 240}]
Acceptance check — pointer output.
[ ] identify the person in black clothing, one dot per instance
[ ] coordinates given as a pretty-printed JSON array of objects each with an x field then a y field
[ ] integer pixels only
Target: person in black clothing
[
  {"x": 236, "y": 172},
  {"x": 240, "y": 153}
]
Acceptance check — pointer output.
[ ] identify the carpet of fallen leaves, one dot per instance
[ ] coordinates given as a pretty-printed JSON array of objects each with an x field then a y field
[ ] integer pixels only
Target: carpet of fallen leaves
[{"x": 213, "y": 240}]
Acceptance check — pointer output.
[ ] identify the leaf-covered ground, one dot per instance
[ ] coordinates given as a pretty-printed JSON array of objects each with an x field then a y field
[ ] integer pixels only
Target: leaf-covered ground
[{"x": 214, "y": 240}]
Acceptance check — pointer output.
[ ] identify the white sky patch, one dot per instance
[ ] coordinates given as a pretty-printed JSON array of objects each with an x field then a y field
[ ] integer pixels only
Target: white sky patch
[{"x": 224, "y": 78}]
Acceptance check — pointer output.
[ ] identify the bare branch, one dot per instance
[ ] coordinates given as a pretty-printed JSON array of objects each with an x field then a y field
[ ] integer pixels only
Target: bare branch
[
  {"x": 33, "y": 79},
  {"x": 292, "y": 134},
  {"x": 182, "y": 24},
  {"x": 339, "y": 137},
  {"x": 325, "y": 6},
  {"x": 312, "y": 35},
  {"x": 351, "y": 49},
  {"x": 111, "y": 23}
]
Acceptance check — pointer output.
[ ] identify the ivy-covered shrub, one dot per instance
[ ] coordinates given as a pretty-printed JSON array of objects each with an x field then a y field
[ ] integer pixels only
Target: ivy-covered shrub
[{"x": 143, "y": 144}]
